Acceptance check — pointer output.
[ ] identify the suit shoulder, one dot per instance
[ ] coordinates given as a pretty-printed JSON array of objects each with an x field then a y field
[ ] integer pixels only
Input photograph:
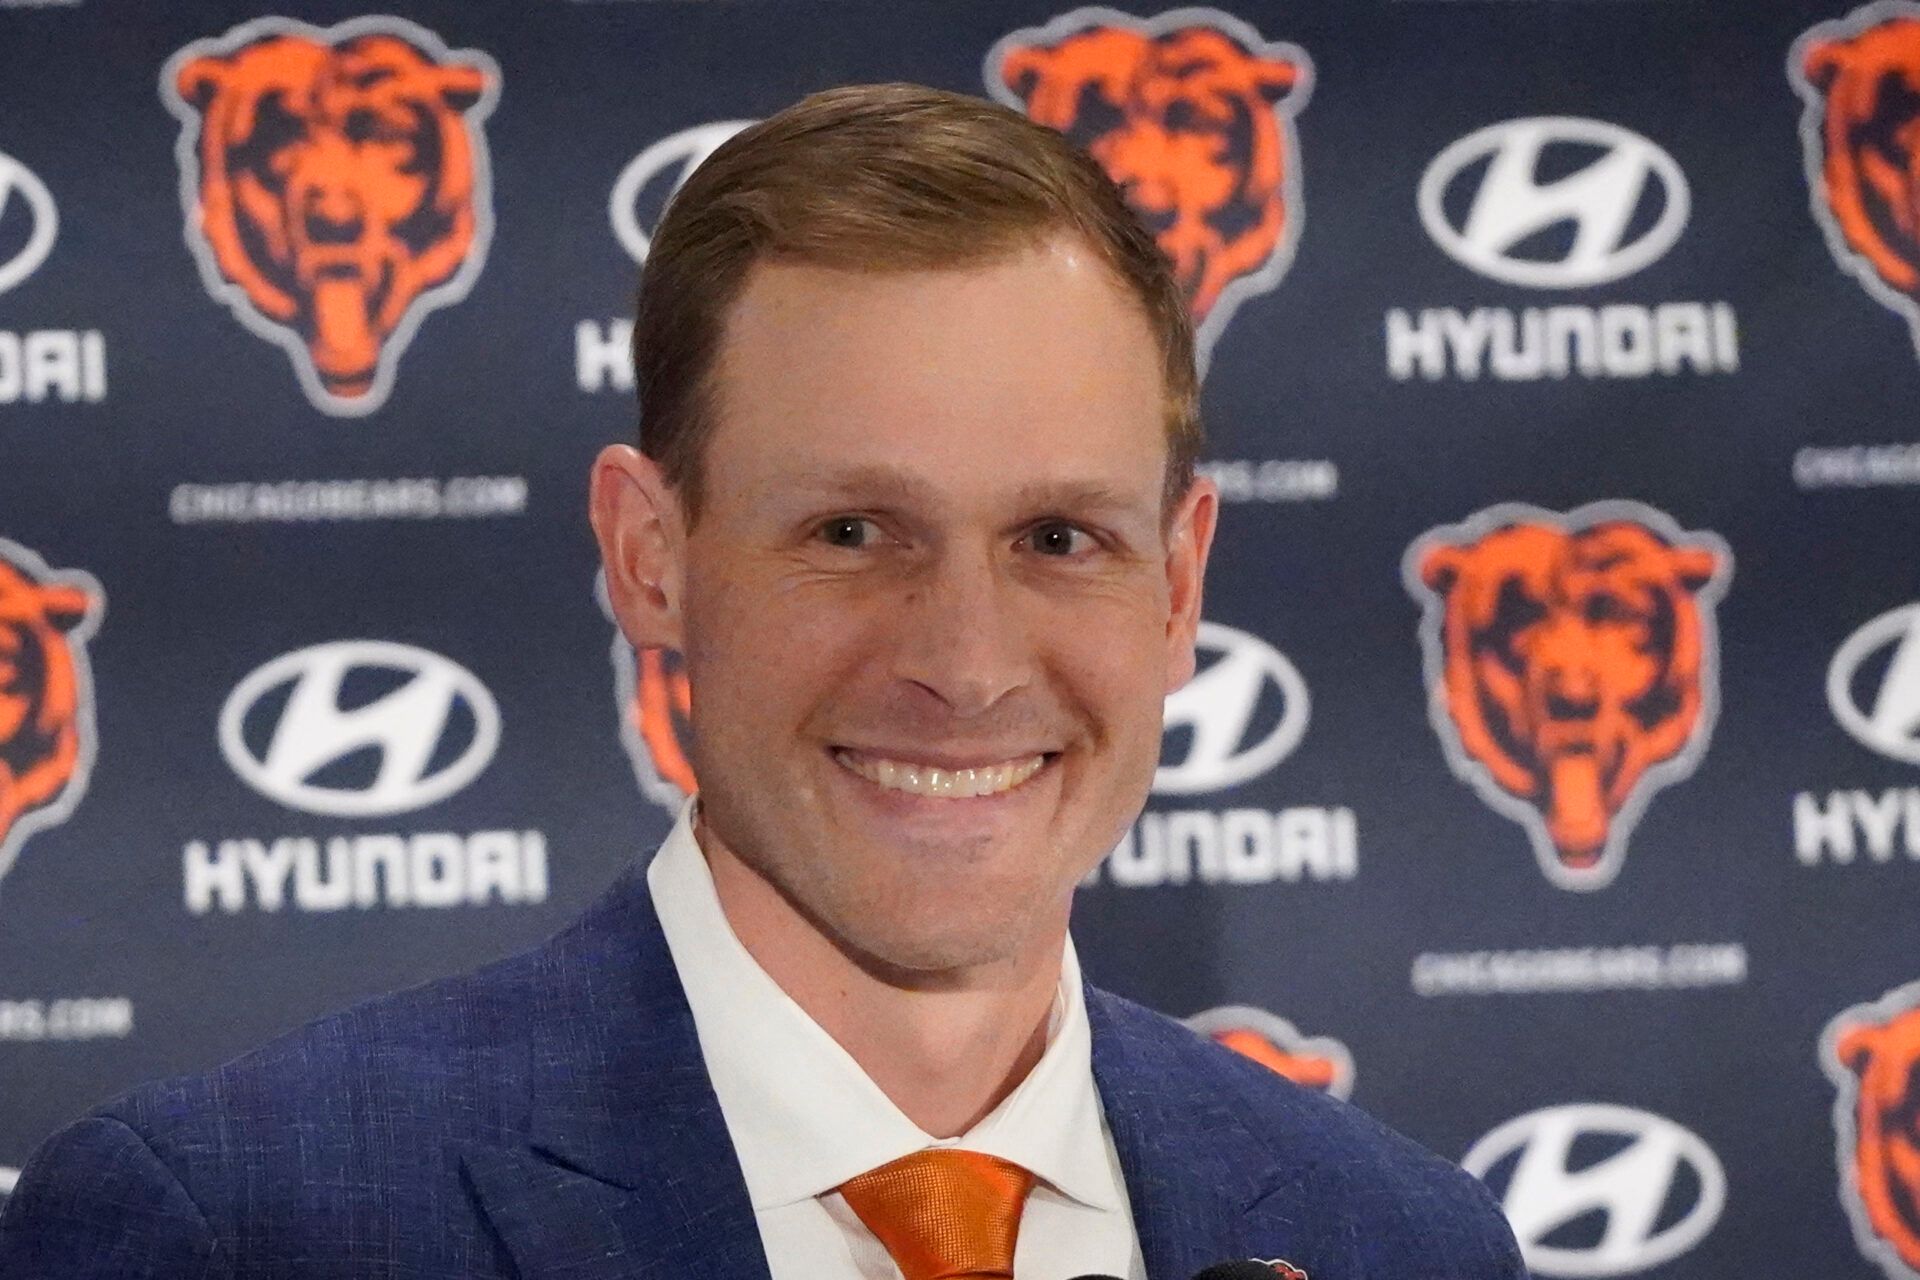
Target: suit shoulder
[
  {"x": 1364, "y": 1171},
  {"x": 426, "y": 1050},
  {"x": 95, "y": 1201},
  {"x": 321, "y": 1144}
]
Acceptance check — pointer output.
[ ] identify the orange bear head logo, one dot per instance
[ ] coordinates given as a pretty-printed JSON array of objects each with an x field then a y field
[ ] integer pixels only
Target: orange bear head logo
[
  {"x": 1860, "y": 79},
  {"x": 655, "y": 705},
  {"x": 1313, "y": 1062},
  {"x": 336, "y": 188},
  {"x": 1571, "y": 663},
  {"x": 1191, "y": 114},
  {"x": 1872, "y": 1054},
  {"x": 46, "y": 693}
]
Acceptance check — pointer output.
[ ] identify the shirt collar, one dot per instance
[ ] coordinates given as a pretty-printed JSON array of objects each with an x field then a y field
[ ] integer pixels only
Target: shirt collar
[{"x": 803, "y": 1116}]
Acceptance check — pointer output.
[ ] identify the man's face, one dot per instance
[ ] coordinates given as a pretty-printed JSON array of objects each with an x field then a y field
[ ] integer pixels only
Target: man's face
[{"x": 932, "y": 543}]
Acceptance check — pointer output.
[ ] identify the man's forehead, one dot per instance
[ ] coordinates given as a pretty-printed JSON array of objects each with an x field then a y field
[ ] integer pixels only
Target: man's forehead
[
  {"x": 1059, "y": 252},
  {"x": 1016, "y": 379},
  {"x": 1004, "y": 314}
]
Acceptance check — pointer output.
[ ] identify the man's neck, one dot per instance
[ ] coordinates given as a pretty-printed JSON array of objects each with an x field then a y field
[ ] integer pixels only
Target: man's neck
[{"x": 946, "y": 1050}]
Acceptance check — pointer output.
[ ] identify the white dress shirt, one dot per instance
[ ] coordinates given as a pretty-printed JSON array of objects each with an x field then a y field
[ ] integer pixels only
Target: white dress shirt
[{"x": 805, "y": 1118}]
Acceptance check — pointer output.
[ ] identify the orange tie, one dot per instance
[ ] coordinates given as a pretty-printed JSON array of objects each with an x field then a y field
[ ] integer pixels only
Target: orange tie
[{"x": 944, "y": 1214}]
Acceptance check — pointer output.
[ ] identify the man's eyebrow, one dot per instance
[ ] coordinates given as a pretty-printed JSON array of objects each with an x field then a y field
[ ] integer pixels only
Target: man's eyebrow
[
  {"x": 890, "y": 484},
  {"x": 1084, "y": 495}
]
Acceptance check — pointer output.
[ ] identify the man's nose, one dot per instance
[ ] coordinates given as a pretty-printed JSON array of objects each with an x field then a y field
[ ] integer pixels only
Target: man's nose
[{"x": 963, "y": 634}]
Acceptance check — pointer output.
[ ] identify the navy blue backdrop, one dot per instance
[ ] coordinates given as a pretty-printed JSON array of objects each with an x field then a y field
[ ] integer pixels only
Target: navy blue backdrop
[{"x": 1549, "y": 786}]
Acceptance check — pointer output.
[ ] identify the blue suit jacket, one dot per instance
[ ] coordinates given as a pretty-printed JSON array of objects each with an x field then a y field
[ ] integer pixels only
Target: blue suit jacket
[{"x": 550, "y": 1116}]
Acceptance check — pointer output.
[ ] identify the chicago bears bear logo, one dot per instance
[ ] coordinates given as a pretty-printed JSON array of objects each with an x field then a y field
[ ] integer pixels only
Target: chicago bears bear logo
[
  {"x": 1191, "y": 113},
  {"x": 1572, "y": 667},
  {"x": 336, "y": 188},
  {"x": 46, "y": 693},
  {"x": 1860, "y": 79},
  {"x": 1313, "y": 1062},
  {"x": 1872, "y": 1054},
  {"x": 655, "y": 704}
]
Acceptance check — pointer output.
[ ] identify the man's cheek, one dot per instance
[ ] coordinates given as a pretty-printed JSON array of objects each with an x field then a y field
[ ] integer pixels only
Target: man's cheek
[
  {"x": 1181, "y": 664},
  {"x": 729, "y": 622},
  {"x": 1131, "y": 713}
]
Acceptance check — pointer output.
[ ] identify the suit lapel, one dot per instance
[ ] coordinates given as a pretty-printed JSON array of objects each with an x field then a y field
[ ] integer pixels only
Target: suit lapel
[
  {"x": 628, "y": 1171},
  {"x": 1193, "y": 1169}
]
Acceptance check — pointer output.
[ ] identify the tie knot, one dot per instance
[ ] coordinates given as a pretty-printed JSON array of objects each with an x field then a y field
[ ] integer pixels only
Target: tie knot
[{"x": 944, "y": 1214}]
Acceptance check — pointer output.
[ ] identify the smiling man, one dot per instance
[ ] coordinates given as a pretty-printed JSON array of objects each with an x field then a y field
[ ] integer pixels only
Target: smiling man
[{"x": 915, "y": 500}]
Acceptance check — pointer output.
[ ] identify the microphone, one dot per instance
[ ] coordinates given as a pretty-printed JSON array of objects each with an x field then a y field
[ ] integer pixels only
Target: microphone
[{"x": 1245, "y": 1269}]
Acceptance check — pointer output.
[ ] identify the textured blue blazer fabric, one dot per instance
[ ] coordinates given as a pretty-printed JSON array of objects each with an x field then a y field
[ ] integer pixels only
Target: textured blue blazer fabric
[{"x": 549, "y": 1117}]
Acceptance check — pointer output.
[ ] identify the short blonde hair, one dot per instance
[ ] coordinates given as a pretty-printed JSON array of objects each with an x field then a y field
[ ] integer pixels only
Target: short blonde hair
[{"x": 880, "y": 177}]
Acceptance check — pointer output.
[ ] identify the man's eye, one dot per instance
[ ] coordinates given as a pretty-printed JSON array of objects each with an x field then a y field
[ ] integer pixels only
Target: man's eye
[
  {"x": 1057, "y": 538},
  {"x": 847, "y": 531}
]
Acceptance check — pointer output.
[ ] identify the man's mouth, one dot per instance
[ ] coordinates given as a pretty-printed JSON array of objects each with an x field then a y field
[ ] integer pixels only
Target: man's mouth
[{"x": 949, "y": 784}]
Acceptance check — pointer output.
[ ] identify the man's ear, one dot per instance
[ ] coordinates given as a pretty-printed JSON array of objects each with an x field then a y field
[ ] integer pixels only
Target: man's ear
[
  {"x": 1189, "y": 539},
  {"x": 637, "y": 521}
]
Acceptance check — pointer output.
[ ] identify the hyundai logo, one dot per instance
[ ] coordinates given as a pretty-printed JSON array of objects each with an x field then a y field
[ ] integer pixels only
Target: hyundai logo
[
  {"x": 359, "y": 728},
  {"x": 679, "y": 154},
  {"x": 1646, "y": 1189},
  {"x": 43, "y": 222},
  {"x": 1244, "y": 712},
  {"x": 1484, "y": 203},
  {"x": 1880, "y": 706}
]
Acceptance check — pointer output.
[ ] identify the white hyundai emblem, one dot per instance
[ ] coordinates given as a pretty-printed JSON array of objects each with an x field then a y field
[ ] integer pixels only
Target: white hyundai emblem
[
  {"x": 1509, "y": 203},
  {"x": 1885, "y": 716},
  {"x": 1221, "y": 708},
  {"x": 680, "y": 153},
  {"x": 407, "y": 725},
  {"x": 43, "y": 218},
  {"x": 1658, "y": 1187}
]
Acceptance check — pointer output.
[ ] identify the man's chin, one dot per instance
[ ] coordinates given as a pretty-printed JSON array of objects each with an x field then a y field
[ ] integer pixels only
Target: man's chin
[
  {"x": 907, "y": 894},
  {"x": 930, "y": 957}
]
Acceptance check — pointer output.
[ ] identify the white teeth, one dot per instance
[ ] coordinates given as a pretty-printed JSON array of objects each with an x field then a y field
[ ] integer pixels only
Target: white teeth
[{"x": 924, "y": 780}]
